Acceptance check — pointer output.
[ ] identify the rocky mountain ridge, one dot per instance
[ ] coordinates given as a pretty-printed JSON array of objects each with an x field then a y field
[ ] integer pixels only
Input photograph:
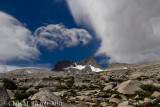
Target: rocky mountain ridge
[
  {"x": 89, "y": 61},
  {"x": 88, "y": 64}
]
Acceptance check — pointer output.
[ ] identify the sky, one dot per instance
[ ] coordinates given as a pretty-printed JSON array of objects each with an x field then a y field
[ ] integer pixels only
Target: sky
[{"x": 41, "y": 32}]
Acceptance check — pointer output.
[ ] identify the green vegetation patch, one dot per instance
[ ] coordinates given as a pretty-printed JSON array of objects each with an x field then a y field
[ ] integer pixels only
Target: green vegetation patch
[
  {"x": 9, "y": 84},
  {"x": 150, "y": 88},
  {"x": 114, "y": 80},
  {"x": 20, "y": 96},
  {"x": 111, "y": 91}
]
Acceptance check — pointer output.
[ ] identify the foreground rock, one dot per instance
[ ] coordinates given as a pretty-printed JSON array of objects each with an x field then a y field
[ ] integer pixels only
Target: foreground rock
[
  {"x": 109, "y": 86},
  {"x": 46, "y": 96},
  {"x": 129, "y": 87},
  {"x": 4, "y": 98},
  {"x": 11, "y": 94},
  {"x": 125, "y": 104},
  {"x": 156, "y": 94}
]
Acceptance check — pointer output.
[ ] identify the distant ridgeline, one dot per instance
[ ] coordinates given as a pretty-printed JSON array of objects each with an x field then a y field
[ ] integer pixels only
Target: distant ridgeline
[
  {"x": 91, "y": 65},
  {"x": 86, "y": 65}
]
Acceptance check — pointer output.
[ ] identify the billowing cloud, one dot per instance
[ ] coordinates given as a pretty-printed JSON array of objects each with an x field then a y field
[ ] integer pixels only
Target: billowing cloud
[
  {"x": 129, "y": 29},
  {"x": 18, "y": 42},
  {"x": 15, "y": 40},
  {"x": 58, "y": 36}
]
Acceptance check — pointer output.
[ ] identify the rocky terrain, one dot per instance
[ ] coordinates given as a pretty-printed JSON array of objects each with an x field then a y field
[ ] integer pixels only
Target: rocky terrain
[{"x": 118, "y": 85}]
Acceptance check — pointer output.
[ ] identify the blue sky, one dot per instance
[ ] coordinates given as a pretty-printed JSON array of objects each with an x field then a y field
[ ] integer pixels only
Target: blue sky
[
  {"x": 36, "y": 13},
  {"x": 42, "y": 32}
]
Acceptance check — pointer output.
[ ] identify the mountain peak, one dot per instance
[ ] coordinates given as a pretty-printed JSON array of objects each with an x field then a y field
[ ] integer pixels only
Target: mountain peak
[
  {"x": 89, "y": 61},
  {"x": 60, "y": 65}
]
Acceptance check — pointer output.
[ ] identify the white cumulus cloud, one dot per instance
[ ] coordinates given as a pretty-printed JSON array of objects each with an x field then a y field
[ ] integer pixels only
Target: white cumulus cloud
[
  {"x": 129, "y": 29},
  {"x": 58, "y": 36},
  {"x": 19, "y": 43},
  {"x": 15, "y": 40}
]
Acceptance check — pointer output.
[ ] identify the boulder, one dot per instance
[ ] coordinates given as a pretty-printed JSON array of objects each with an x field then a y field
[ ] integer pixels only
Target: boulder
[
  {"x": 125, "y": 104},
  {"x": 115, "y": 100},
  {"x": 4, "y": 98},
  {"x": 147, "y": 102},
  {"x": 81, "y": 98},
  {"x": 109, "y": 86},
  {"x": 156, "y": 94},
  {"x": 147, "y": 99},
  {"x": 45, "y": 95},
  {"x": 103, "y": 104},
  {"x": 129, "y": 87},
  {"x": 11, "y": 94},
  {"x": 124, "y": 98},
  {"x": 80, "y": 84},
  {"x": 53, "y": 88},
  {"x": 31, "y": 89},
  {"x": 45, "y": 82},
  {"x": 87, "y": 99},
  {"x": 154, "y": 101}
]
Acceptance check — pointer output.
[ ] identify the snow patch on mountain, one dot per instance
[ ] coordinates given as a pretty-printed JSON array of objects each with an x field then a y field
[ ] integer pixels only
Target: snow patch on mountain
[
  {"x": 28, "y": 71},
  {"x": 94, "y": 69},
  {"x": 81, "y": 67}
]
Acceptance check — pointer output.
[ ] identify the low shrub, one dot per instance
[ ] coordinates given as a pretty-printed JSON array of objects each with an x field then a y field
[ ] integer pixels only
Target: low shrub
[
  {"x": 70, "y": 83},
  {"x": 20, "y": 96},
  {"x": 112, "y": 91},
  {"x": 9, "y": 84},
  {"x": 150, "y": 88}
]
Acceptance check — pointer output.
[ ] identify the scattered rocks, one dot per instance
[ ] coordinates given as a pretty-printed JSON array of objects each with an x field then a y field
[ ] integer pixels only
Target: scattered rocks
[{"x": 110, "y": 88}]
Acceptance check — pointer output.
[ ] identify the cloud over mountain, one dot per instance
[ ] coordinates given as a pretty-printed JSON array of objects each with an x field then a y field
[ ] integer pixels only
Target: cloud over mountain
[{"x": 129, "y": 29}]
